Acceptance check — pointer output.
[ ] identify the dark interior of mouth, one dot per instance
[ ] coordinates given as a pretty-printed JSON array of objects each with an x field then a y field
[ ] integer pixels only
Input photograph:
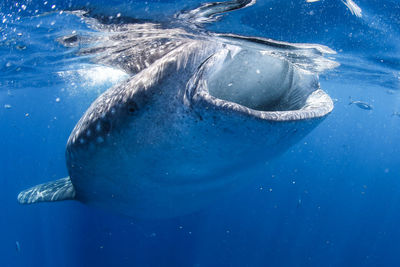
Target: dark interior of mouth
[{"x": 261, "y": 82}]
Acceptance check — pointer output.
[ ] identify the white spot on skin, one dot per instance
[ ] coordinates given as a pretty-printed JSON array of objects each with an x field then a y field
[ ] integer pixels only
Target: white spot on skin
[
  {"x": 58, "y": 99},
  {"x": 98, "y": 127},
  {"x": 258, "y": 71},
  {"x": 7, "y": 106}
]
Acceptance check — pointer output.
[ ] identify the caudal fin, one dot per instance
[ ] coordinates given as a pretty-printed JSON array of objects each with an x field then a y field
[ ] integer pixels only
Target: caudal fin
[{"x": 58, "y": 190}]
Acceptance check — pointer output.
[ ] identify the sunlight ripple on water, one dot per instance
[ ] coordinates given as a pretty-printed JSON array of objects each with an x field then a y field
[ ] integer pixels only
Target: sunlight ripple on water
[{"x": 89, "y": 77}]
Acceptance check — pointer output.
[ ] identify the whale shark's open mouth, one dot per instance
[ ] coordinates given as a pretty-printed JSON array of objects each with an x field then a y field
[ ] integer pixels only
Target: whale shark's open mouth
[{"x": 261, "y": 85}]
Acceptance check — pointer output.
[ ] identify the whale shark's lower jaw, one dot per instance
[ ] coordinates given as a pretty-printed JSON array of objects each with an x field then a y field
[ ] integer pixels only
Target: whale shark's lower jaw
[
  {"x": 318, "y": 104},
  {"x": 260, "y": 86}
]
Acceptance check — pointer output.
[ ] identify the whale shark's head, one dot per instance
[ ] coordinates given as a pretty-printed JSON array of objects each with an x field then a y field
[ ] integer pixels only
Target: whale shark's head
[{"x": 226, "y": 76}]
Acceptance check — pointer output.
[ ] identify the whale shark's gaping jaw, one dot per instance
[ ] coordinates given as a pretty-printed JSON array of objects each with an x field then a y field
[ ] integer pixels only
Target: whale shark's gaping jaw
[
  {"x": 251, "y": 82},
  {"x": 198, "y": 109}
]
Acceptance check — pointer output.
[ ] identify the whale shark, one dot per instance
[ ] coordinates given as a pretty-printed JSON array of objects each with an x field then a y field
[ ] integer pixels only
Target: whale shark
[{"x": 198, "y": 109}]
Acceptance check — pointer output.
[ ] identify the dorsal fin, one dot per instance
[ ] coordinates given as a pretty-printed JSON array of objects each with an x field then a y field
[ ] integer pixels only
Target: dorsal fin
[
  {"x": 131, "y": 47},
  {"x": 136, "y": 44},
  {"x": 58, "y": 190},
  {"x": 210, "y": 12}
]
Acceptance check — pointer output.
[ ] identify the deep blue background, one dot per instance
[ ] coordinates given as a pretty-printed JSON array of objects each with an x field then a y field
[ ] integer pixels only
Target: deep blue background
[{"x": 332, "y": 200}]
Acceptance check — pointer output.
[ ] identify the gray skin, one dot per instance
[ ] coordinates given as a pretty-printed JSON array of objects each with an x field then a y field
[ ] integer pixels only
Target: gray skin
[{"x": 198, "y": 110}]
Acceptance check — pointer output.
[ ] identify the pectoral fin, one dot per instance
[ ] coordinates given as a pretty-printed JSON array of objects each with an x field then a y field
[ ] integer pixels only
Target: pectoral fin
[{"x": 58, "y": 190}]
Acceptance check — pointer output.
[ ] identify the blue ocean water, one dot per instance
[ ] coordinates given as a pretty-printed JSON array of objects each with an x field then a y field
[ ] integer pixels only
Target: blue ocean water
[{"x": 331, "y": 200}]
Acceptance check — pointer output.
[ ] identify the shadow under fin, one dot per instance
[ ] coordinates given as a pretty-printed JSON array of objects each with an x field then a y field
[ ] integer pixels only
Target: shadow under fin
[{"x": 58, "y": 190}]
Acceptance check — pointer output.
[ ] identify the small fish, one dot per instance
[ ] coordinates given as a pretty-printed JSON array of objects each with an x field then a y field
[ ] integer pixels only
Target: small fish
[
  {"x": 299, "y": 203},
  {"x": 17, "y": 246},
  {"x": 396, "y": 113},
  {"x": 361, "y": 104},
  {"x": 353, "y": 7},
  {"x": 20, "y": 47},
  {"x": 390, "y": 92}
]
